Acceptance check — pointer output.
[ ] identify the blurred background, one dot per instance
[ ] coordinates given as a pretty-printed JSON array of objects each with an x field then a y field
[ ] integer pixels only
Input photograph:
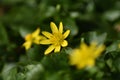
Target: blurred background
[{"x": 20, "y": 17}]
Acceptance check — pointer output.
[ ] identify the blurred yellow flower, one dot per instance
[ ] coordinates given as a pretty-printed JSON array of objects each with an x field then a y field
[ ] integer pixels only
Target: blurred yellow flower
[
  {"x": 32, "y": 38},
  {"x": 56, "y": 38},
  {"x": 85, "y": 55},
  {"x": 118, "y": 45}
]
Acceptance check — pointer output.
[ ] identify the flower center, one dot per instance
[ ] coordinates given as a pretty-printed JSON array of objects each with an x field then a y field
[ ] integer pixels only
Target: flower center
[{"x": 57, "y": 39}]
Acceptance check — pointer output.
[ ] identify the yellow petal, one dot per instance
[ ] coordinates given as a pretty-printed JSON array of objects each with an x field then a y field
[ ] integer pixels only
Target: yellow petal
[
  {"x": 49, "y": 49},
  {"x": 53, "y": 27},
  {"x": 84, "y": 47},
  {"x": 81, "y": 65},
  {"x": 36, "y": 33},
  {"x": 66, "y": 34},
  {"x": 37, "y": 39},
  {"x": 45, "y": 42},
  {"x": 99, "y": 50},
  {"x": 28, "y": 37},
  {"x": 27, "y": 45},
  {"x": 60, "y": 27},
  {"x": 43, "y": 38},
  {"x": 57, "y": 49},
  {"x": 118, "y": 45},
  {"x": 93, "y": 45},
  {"x": 91, "y": 62},
  {"x": 47, "y": 34},
  {"x": 74, "y": 56},
  {"x": 64, "y": 43}
]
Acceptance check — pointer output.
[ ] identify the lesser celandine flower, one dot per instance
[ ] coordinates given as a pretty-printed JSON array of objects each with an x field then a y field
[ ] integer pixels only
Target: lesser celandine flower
[
  {"x": 32, "y": 38},
  {"x": 56, "y": 38},
  {"x": 85, "y": 55}
]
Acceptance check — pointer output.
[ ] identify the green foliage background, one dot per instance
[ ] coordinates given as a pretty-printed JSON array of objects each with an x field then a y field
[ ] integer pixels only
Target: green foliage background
[{"x": 88, "y": 19}]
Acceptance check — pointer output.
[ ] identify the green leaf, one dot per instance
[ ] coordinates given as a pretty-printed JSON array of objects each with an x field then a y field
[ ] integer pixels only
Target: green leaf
[
  {"x": 57, "y": 60},
  {"x": 20, "y": 76},
  {"x": 24, "y": 31},
  {"x": 70, "y": 24},
  {"x": 35, "y": 53},
  {"x": 35, "y": 72},
  {"x": 3, "y": 35},
  {"x": 113, "y": 47},
  {"x": 9, "y": 72},
  {"x": 117, "y": 63},
  {"x": 60, "y": 75},
  {"x": 112, "y": 15},
  {"x": 93, "y": 36}
]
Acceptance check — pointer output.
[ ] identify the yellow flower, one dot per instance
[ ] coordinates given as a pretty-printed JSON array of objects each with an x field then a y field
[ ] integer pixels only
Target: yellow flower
[
  {"x": 56, "y": 38},
  {"x": 118, "y": 45},
  {"x": 85, "y": 55},
  {"x": 32, "y": 38}
]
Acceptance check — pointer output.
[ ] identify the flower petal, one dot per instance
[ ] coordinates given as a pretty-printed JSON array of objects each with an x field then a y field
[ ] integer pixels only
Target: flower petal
[
  {"x": 74, "y": 56},
  {"x": 57, "y": 49},
  {"x": 45, "y": 42},
  {"x": 53, "y": 27},
  {"x": 49, "y": 49},
  {"x": 40, "y": 37},
  {"x": 99, "y": 50},
  {"x": 47, "y": 34},
  {"x": 60, "y": 27},
  {"x": 28, "y": 37},
  {"x": 84, "y": 47},
  {"x": 37, "y": 39},
  {"x": 81, "y": 65},
  {"x": 64, "y": 43},
  {"x": 65, "y": 35},
  {"x": 27, "y": 45},
  {"x": 90, "y": 62},
  {"x": 36, "y": 33}
]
